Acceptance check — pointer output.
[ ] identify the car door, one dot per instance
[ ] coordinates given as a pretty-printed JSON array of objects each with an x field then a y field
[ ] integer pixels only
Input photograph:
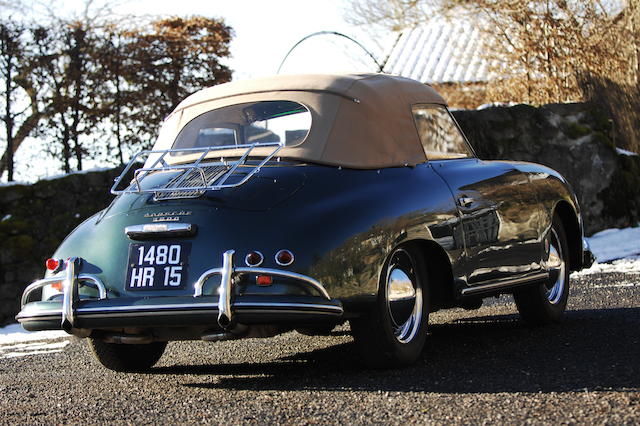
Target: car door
[{"x": 493, "y": 200}]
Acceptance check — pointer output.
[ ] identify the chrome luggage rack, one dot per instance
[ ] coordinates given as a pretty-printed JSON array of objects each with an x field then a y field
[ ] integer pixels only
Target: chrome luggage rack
[{"x": 193, "y": 179}]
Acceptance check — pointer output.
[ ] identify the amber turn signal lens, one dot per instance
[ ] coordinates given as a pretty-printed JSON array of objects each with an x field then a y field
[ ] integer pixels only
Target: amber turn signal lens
[
  {"x": 52, "y": 264},
  {"x": 57, "y": 286},
  {"x": 264, "y": 280},
  {"x": 284, "y": 258}
]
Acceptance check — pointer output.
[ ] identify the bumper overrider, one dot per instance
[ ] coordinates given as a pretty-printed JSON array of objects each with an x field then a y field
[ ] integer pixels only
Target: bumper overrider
[{"x": 225, "y": 310}]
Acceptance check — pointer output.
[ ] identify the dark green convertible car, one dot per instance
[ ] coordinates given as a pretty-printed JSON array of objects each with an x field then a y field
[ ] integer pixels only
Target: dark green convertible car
[{"x": 302, "y": 202}]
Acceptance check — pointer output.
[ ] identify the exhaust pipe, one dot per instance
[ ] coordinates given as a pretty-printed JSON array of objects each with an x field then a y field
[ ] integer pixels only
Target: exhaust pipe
[
  {"x": 128, "y": 339},
  {"x": 238, "y": 331}
]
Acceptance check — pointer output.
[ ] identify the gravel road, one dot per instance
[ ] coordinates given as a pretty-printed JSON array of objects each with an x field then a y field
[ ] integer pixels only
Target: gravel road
[{"x": 479, "y": 367}]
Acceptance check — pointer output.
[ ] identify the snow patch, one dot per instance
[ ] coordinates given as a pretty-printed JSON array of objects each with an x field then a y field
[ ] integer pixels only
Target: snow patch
[
  {"x": 14, "y": 183},
  {"x": 624, "y": 266},
  {"x": 16, "y": 342},
  {"x": 616, "y": 250},
  {"x": 621, "y": 151},
  {"x": 35, "y": 348},
  {"x": 496, "y": 104},
  {"x": 14, "y": 333},
  {"x": 612, "y": 244}
]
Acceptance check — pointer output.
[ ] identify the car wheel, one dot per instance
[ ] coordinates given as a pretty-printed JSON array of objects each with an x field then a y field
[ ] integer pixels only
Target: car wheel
[
  {"x": 545, "y": 303},
  {"x": 393, "y": 333},
  {"x": 127, "y": 357}
]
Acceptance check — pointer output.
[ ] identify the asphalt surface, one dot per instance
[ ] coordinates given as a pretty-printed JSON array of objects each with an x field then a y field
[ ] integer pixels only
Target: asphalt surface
[{"x": 480, "y": 367}]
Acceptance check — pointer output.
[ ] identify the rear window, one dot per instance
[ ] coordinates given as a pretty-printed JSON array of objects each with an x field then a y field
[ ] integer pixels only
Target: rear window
[{"x": 247, "y": 123}]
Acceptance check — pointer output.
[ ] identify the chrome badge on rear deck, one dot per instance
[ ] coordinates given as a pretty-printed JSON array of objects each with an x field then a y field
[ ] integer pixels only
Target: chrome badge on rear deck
[{"x": 167, "y": 216}]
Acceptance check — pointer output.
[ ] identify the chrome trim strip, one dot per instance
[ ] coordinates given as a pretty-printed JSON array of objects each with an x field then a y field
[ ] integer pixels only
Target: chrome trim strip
[
  {"x": 92, "y": 279},
  {"x": 201, "y": 306},
  {"x": 506, "y": 283},
  {"x": 150, "y": 307},
  {"x": 148, "y": 230},
  {"x": 50, "y": 312},
  {"x": 181, "y": 309},
  {"x": 256, "y": 310},
  {"x": 289, "y": 305},
  {"x": 39, "y": 318}
]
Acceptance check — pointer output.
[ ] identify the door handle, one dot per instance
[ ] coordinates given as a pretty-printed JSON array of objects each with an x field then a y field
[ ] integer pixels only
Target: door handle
[{"x": 465, "y": 201}]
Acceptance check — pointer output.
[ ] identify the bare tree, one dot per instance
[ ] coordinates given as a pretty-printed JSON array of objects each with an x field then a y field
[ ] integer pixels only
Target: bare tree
[
  {"x": 20, "y": 113},
  {"x": 93, "y": 13},
  {"x": 101, "y": 92},
  {"x": 538, "y": 48},
  {"x": 394, "y": 15},
  {"x": 170, "y": 59}
]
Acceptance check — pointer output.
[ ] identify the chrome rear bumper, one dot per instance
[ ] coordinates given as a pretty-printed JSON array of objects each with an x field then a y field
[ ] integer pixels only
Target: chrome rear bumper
[
  {"x": 76, "y": 315},
  {"x": 181, "y": 311},
  {"x": 229, "y": 273}
]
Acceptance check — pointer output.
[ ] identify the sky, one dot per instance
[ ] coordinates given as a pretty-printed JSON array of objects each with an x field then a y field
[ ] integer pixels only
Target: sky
[{"x": 264, "y": 32}]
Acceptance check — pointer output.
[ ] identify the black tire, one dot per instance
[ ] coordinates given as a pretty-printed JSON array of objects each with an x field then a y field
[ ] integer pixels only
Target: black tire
[
  {"x": 546, "y": 302},
  {"x": 126, "y": 357},
  {"x": 383, "y": 343}
]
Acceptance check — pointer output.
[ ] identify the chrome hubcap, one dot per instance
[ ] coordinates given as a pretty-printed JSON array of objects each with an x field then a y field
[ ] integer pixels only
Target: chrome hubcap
[
  {"x": 556, "y": 266},
  {"x": 404, "y": 298}
]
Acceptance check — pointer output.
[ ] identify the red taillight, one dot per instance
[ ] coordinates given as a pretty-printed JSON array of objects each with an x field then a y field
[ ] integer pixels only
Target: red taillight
[
  {"x": 284, "y": 258},
  {"x": 264, "y": 280},
  {"x": 52, "y": 264},
  {"x": 254, "y": 258}
]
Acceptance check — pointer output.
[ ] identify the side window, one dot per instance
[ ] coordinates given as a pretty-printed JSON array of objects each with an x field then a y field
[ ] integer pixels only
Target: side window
[{"x": 441, "y": 138}]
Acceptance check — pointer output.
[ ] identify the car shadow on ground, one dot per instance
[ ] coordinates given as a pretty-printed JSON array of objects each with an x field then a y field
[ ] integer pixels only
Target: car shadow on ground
[{"x": 591, "y": 350}]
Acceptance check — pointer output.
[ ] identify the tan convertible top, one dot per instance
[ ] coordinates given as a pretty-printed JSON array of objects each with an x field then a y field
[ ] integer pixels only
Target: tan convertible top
[{"x": 359, "y": 120}]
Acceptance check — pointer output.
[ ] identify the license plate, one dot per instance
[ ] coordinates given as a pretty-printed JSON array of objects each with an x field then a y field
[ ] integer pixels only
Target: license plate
[{"x": 157, "y": 266}]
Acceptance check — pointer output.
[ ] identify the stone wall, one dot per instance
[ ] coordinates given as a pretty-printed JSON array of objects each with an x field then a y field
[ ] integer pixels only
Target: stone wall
[
  {"x": 569, "y": 138},
  {"x": 34, "y": 219}
]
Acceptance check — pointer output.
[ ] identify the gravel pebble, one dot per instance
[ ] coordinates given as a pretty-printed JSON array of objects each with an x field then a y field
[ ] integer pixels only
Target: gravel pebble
[{"x": 479, "y": 367}]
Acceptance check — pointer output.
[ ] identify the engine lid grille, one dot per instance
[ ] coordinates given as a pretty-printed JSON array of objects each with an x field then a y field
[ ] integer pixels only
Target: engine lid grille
[{"x": 188, "y": 181}]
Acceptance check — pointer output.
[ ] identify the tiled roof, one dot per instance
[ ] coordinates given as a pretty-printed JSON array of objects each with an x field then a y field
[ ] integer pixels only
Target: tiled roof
[{"x": 441, "y": 51}]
